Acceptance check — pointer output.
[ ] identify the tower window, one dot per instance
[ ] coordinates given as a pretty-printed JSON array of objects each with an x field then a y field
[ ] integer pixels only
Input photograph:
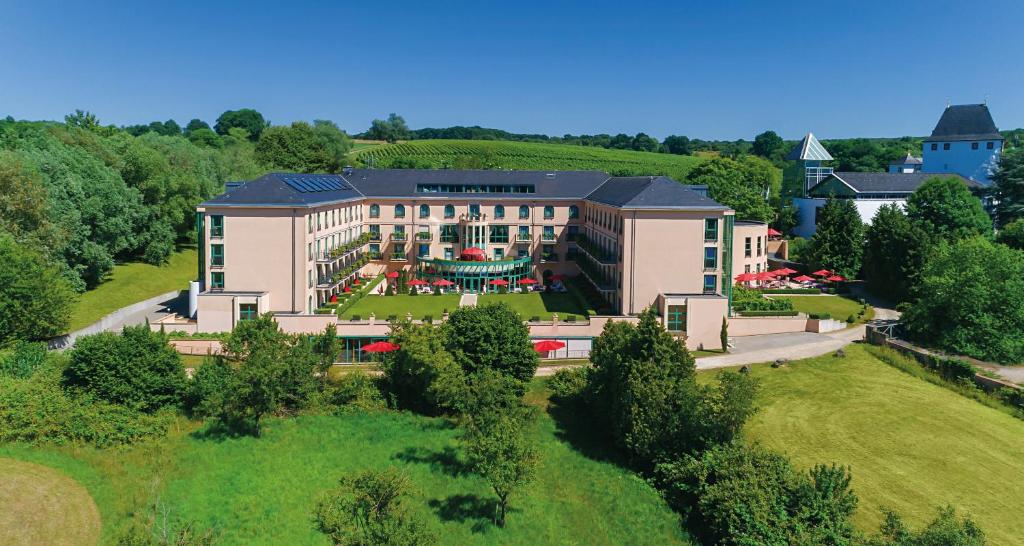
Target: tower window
[
  {"x": 974, "y": 145},
  {"x": 989, "y": 145},
  {"x": 945, "y": 145},
  {"x": 934, "y": 146}
]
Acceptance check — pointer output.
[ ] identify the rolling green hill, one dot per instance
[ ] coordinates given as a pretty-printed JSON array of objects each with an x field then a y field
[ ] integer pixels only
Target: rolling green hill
[{"x": 490, "y": 154}]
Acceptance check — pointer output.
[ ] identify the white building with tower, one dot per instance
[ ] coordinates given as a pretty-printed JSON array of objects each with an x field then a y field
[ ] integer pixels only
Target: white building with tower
[{"x": 965, "y": 143}]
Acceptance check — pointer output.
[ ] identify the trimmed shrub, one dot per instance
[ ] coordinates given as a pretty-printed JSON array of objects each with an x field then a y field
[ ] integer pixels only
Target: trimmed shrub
[
  {"x": 780, "y": 313},
  {"x": 820, "y": 316},
  {"x": 569, "y": 384},
  {"x": 356, "y": 389}
]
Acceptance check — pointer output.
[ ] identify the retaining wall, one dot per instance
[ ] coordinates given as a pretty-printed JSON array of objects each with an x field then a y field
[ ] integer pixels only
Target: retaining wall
[{"x": 109, "y": 321}]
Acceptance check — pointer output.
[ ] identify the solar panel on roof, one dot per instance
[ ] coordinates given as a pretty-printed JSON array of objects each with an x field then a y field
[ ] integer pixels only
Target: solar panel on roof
[{"x": 308, "y": 184}]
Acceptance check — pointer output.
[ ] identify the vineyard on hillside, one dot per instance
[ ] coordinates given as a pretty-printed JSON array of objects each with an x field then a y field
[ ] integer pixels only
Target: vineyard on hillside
[{"x": 485, "y": 154}]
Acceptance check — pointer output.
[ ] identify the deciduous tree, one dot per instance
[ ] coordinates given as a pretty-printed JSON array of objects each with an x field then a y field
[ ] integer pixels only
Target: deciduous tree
[
  {"x": 368, "y": 509},
  {"x": 1008, "y": 186},
  {"x": 945, "y": 207},
  {"x": 245, "y": 118},
  {"x": 35, "y": 300},
  {"x": 491, "y": 336}
]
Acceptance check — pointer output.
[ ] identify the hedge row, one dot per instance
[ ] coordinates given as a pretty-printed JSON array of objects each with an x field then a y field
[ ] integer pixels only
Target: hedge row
[
  {"x": 791, "y": 291},
  {"x": 767, "y": 313}
]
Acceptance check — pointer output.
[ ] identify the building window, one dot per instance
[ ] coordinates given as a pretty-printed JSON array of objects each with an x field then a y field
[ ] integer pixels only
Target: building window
[
  {"x": 524, "y": 233},
  {"x": 374, "y": 251},
  {"x": 974, "y": 145},
  {"x": 246, "y": 311},
  {"x": 449, "y": 211},
  {"x": 310, "y": 276},
  {"x": 399, "y": 211},
  {"x": 374, "y": 211},
  {"x": 449, "y": 233},
  {"x": 499, "y": 254},
  {"x": 499, "y": 211},
  {"x": 549, "y": 212},
  {"x": 310, "y": 222},
  {"x": 572, "y": 232},
  {"x": 549, "y": 233},
  {"x": 945, "y": 145},
  {"x": 523, "y": 253},
  {"x": 675, "y": 318},
  {"x": 711, "y": 229},
  {"x": 474, "y": 212},
  {"x": 524, "y": 211},
  {"x": 548, "y": 253},
  {"x": 989, "y": 145},
  {"x": 217, "y": 280},
  {"x": 746, "y": 247},
  {"x": 759, "y": 247},
  {"x": 710, "y": 284},
  {"x": 399, "y": 251},
  {"x": 424, "y": 251},
  {"x": 424, "y": 211},
  {"x": 574, "y": 212},
  {"x": 934, "y": 146},
  {"x": 217, "y": 225},
  {"x": 499, "y": 234},
  {"x": 217, "y": 255},
  {"x": 449, "y": 253},
  {"x": 710, "y": 257}
]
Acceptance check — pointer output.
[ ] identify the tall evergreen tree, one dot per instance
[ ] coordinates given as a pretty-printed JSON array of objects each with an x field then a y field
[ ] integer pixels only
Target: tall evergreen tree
[
  {"x": 1008, "y": 187},
  {"x": 838, "y": 243},
  {"x": 894, "y": 253}
]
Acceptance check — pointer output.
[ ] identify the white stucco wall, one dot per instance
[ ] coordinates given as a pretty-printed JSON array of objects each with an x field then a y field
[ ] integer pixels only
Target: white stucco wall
[{"x": 867, "y": 208}]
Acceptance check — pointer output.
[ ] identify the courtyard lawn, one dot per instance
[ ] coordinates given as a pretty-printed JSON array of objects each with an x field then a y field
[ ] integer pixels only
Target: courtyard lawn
[
  {"x": 263, "y": 490},
  {"x": 542, "y": 305},
  {"x": 838, "y": 307},
  {"x": 385, "y": 306},
  {"x": 911, "y": 445},
  {"x": 131, "y": 283}
]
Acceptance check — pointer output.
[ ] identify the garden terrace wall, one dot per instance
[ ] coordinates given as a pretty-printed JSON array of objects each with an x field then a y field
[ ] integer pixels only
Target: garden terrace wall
[{"x": 197, "y": 346}]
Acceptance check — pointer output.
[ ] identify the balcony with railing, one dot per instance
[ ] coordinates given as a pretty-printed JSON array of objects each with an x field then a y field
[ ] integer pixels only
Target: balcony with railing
[
  {"x": 594, "y": 274},
  {"x": 524, "y": 237},
  {"x": 549, "y": 257},
  {"x": 374, "y": 236},
  {"x": 424, "y": 236},
  {"x": 399, "y": 236},
  {"x": 548, "y": 237},
  {"x": 596, "y": 253},
  {"x": 343, "y": 251},
  {"x": 397, "y": 257}
]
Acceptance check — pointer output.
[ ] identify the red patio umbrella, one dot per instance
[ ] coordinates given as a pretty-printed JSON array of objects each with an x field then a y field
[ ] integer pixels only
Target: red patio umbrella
[
  {"x": 547, "y": 345},
  {"x": 443, "y": 282},
  {"x": 499, "y": 282},
  {"x": 380, "y": 347},
  {"x": 786, "y": 271},
  {"x": 822, "y": 273},
  {"x": 774, "y": 232},
  {"x": 746, "y": 277},
  {"x": 335, "y": 298},
  {"x": 836, "y": 278},
  {"x": 803, "y": 278},
  {"x": 527, "y": 281},
  {"x": 392, "y": 275},
  {"x": 473, "y": 254},
  {"x": 356, "y": 282},
  {"x": 417, "y": 282},
  {"x": 781, "y": 272},
  {"x": 763, "y": 276}
]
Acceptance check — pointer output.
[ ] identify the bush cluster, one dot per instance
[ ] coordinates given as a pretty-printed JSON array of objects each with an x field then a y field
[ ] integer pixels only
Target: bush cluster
[{"x": 749, "y": 299}]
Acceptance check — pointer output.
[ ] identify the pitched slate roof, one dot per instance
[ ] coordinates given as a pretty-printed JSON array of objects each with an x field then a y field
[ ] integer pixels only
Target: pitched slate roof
[
  {"x": 909, "y": 160},
  {"x": 888, "y": 182},
  {"x": 965, "y": 122},
  {"x": 547, "y": 184},
  {"x": 651, "y": 192},
  {"x": 809, "y": 149},
  {"x": 298, "y": 190},
  {"x": 280, "y": 189}
]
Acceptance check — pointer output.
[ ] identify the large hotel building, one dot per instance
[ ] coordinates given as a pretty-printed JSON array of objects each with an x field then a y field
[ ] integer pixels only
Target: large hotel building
[{"x": 285, "y": 243}]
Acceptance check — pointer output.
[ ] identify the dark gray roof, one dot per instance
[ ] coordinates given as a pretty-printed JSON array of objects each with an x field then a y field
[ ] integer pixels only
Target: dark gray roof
[
  {"x": 284, "y": 189},
  {"x": 965, "y": 122},
  {"x": 909, "y": 160},
  {"x": 272, "y": 189},
  {"x": 889, "y": 182},
  {"x": 640, "y": 192},
  {"x": 547, "y": 184}
]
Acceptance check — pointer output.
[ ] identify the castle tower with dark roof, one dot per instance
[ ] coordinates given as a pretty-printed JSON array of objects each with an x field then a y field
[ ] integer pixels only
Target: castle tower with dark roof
[{"x": 965, "y": 141}]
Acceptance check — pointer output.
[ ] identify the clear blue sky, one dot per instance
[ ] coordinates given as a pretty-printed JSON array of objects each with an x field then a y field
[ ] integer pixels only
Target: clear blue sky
[{"x": 720, "y": 70}]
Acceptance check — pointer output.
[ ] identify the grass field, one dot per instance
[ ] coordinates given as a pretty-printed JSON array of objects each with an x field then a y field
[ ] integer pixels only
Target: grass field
[
  {"x": 133, "y": 282},
  {"x": 838, "y": 306},
  {"x": 529, "y": 156},
  {"x": 911, "y": 445},
  {"x": 540, "y": 305},
  {"x": 42, "y": 505},
  {"x": 419, "y": 306},
  {"x": 261, "y": 491}
]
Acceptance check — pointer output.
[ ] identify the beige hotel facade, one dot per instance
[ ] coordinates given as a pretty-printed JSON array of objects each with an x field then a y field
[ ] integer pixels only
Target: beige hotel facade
[{"x": 285, "y": 243}]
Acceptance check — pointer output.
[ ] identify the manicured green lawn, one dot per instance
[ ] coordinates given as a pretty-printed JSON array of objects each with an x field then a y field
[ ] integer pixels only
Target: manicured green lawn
[
  {"x": 838, "y": 306},
  {"x": 535, "y": 304},
  {"x": 133, "y": 282},
  {"x": 419, "y": 306},
  {"x": 262, "y": 491},
  {"x": 911, "y": 445}
]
